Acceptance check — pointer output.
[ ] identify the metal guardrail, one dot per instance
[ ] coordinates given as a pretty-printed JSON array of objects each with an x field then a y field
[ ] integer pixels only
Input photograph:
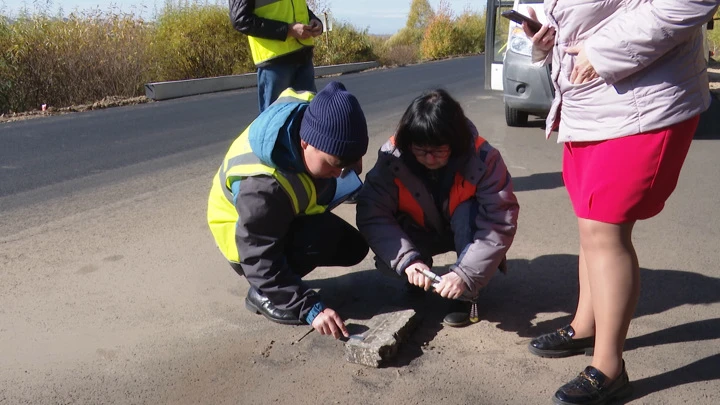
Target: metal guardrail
[{"x": 182, "y": 88}]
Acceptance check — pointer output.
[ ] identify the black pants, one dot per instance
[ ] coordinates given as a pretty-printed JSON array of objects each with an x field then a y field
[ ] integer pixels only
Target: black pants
[
  {"x": 459, "y": 234},
  {"x": 320, "y": 240}
]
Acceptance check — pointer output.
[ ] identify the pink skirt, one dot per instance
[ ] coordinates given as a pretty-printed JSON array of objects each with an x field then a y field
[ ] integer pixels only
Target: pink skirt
[{"x": 626, "y": 179}]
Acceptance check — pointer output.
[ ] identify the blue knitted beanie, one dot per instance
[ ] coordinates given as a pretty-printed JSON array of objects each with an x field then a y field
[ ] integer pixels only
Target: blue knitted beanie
[{"x": 335, "y": 124}]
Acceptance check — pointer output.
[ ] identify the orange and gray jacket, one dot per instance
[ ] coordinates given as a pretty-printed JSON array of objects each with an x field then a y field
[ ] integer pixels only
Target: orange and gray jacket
[
  {"x": 392, "y": 189},
  {"x": 265, "y": 22}
]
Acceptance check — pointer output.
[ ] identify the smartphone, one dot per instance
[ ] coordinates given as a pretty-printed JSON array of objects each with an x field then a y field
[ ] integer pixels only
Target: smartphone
[{"x": 513, "y": 15}]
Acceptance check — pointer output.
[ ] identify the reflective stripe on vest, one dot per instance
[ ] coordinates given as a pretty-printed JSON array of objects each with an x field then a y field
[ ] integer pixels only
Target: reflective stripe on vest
[
  {"x": 288, "y": 11},
  {"x": 289, "y": 95},
  {"x": 460, "y": 192},
  {"x": 240, "y": 162}
]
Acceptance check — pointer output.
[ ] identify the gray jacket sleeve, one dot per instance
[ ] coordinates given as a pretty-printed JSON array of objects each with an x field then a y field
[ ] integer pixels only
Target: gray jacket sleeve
[
  {"x": 266, "y": 213},
  {"x": 495, "y": 223},
  {"x": 635, "y": 39},
  {"x": 377, "y": 205}
]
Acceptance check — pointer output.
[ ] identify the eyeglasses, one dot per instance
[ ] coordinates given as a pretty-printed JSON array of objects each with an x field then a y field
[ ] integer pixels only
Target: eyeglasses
[{"x": 438, "y": 153}]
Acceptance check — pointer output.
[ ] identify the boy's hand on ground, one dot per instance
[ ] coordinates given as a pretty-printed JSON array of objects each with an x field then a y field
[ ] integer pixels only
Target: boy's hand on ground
[
  {"x": 328, "y": 322},
  {"x": 451, "y": 286},
  {"x": 415, "y": 277}
]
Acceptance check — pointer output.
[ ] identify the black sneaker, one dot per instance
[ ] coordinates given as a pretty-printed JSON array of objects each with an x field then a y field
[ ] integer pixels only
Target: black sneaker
[
  {"x": 561, "y": 344},
  {"x": 592, "y": 387}
]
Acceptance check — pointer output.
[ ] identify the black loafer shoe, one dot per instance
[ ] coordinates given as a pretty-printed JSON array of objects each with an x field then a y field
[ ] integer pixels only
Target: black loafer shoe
[
  {"x": 592, "y": 387},
  {"x": 260, "y": 304},
  {"x": 458, "y": 315},
  {"x": 561, "y": 344}
]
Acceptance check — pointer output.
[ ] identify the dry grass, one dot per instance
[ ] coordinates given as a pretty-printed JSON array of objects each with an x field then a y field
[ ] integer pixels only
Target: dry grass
[
  {"x": 45, "y": 60},
  {"x": 96, "y": 55}
]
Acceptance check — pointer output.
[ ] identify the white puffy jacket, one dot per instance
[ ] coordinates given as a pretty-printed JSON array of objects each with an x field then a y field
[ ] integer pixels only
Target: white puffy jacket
[{"x": 648, "y": 54}]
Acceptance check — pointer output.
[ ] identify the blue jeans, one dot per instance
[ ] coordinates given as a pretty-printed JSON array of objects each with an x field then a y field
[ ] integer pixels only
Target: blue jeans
[{"x": 274, "y": 79}]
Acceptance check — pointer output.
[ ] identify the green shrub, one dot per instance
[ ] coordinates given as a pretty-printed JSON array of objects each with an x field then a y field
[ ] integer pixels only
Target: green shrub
[
  {"x": 389, "y": 54},
  {"x": 83, "y": 58},
  {"x": 471, "y": 26},
  {"x": 442, "y": 38},
  {"x": 419, "y": 17},
  {"x": 195, "y": 41},
  {"x": 406, "y": 36},
  {"x": 92, "y": 55},
  {"x": 6, "y": 82},
  {"x": 713, "y": 36},
  {"x": 344, "y": 44}
]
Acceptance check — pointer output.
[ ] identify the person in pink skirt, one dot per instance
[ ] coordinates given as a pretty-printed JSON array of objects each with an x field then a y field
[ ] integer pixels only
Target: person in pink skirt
[{"x": 630, "y": 82}]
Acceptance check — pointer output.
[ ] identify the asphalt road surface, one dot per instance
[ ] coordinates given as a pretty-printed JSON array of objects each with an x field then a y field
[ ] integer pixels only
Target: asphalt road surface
[{"x": 112, "y": 290}]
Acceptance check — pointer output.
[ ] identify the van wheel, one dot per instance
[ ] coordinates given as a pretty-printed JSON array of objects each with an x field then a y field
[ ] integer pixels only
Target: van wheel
[{"x": 515, "y": 118}]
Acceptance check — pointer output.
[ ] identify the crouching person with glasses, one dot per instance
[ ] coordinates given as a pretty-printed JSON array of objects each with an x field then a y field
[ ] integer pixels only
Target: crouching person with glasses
[{"x": 438, "y": 186}]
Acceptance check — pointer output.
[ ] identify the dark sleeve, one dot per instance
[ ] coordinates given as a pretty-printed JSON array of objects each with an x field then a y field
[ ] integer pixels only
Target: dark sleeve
[
  {"x": 312, "y": 15},
  {"x": 243, "y": 19},
  {"x": 377, "y": 205},
  {"x": 266, "y": 213}
]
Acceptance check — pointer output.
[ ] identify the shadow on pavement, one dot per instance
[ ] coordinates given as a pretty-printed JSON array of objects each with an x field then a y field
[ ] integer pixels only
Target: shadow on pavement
[
  {"x": 538, "y": 181},
  {"x": 708, "y": 329},
  {"x": 545, "y": 285},
  {"x": 707, "y": 369},
  {"x": 709, "y": 126},
  {"x": 548, "y": 284},
  {"x": 363, "y": 294}
]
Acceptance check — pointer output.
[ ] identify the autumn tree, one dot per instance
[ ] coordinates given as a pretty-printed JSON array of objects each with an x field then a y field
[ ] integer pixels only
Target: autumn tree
[{"x": 420, "y": 15}]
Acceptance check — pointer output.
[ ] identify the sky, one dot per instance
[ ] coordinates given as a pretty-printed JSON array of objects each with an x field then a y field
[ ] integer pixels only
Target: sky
[{"x": 378, "y": 16}]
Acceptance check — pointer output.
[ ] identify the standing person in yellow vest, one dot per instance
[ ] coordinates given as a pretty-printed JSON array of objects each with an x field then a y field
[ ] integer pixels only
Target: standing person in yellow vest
[
  {"x": 439, "y": 187},
  {"x": 268, "y": 204},
  {"x": 281, "y": 34}
]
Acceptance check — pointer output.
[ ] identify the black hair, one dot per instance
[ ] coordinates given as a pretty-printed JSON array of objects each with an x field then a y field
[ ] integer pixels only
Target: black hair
[{"x": 434, "y": 119}]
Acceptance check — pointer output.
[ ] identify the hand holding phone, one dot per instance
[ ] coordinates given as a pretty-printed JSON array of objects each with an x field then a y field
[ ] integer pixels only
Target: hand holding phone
[{"x": 519, "y": 18}]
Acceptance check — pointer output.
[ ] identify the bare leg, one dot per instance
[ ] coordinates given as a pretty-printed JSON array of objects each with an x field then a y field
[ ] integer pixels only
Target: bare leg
[
  {"x": 584, "y": 321},
  {"x": 614, "y": 280}
]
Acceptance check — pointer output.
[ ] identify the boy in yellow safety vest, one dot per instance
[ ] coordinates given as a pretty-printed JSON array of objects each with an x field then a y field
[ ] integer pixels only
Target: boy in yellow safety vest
[{"x": 268, "y": 207}]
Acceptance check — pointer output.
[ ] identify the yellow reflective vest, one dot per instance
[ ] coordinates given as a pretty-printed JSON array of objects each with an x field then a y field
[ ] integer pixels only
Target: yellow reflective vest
[
  {"x": 241, "y": 162},
  {"x": 288, "y": 11}
]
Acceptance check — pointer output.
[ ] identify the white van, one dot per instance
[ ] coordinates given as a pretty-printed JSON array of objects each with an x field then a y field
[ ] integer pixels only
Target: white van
[{"x": 527, "y": 89}]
